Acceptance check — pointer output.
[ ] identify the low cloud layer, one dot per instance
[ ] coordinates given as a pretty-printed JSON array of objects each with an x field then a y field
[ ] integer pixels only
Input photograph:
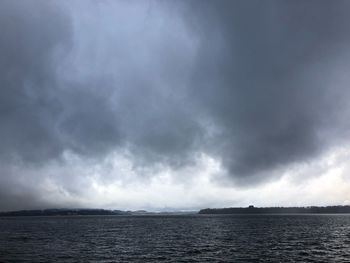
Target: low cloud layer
[{"x": 112, "y": 96}]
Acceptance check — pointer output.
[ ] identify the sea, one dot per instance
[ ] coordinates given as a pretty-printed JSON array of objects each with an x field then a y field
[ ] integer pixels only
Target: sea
[{"x": 176, "y": 238}]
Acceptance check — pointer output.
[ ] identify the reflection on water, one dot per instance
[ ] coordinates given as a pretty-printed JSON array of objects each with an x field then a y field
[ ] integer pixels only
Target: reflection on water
[{"x": 197, "y": 238}]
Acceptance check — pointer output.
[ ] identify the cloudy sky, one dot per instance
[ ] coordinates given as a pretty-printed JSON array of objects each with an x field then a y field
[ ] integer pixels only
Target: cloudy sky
[{"x": 174, "y": 105}]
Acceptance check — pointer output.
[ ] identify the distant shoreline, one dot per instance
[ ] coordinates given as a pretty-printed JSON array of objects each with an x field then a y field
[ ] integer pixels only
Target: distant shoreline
[
  {"x": 86, "y": 212},
  {"x": 278, "y": 210},
  {"x": 207, "y": 211}
]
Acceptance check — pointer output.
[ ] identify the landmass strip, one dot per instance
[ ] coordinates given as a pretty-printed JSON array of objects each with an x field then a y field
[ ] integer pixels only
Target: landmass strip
[
  {"x": 231, "y": 210},
  {"x": 85, "y": 212},
  {"x": 279, "y": 210}
]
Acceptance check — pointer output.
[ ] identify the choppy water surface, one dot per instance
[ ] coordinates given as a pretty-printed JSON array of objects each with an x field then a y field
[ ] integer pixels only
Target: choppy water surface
[{"x": 197, "y": 238}]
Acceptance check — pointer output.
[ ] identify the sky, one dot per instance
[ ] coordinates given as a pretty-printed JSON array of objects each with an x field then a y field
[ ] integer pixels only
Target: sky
[{"x": 174, "y": 105}]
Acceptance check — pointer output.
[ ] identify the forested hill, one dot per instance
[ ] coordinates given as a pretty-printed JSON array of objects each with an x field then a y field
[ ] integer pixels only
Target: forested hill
[
  {"x": 62, "y": 212},
  {"x": 278, "y": 210}
]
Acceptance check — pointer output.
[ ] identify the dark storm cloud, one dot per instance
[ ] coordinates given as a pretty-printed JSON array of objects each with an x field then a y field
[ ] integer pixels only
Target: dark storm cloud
[
  {"x": 44, "y": 113},
  {"x": 266, "y": 74},
  {"x": 256, "y": 84},
  {"x": 41, "y": 114},
  {"x": 31, "y": 33}
]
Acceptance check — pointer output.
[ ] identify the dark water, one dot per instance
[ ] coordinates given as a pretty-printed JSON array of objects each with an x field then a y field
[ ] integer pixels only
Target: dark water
[{"x": 198, "y": 238}]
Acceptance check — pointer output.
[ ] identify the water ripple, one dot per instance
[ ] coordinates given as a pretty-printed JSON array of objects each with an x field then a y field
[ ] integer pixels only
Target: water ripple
[{"x": 197, "y": 238}]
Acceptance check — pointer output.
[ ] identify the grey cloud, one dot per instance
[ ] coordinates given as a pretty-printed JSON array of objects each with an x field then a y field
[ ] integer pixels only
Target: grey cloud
[
  {"x": 147, "y": 68},
  {"x": 252, "y": 83},
  {"x": 32, "y": 32},
  {"x": 64, "y": 87},
  {"x": 267, "y": 75}
]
